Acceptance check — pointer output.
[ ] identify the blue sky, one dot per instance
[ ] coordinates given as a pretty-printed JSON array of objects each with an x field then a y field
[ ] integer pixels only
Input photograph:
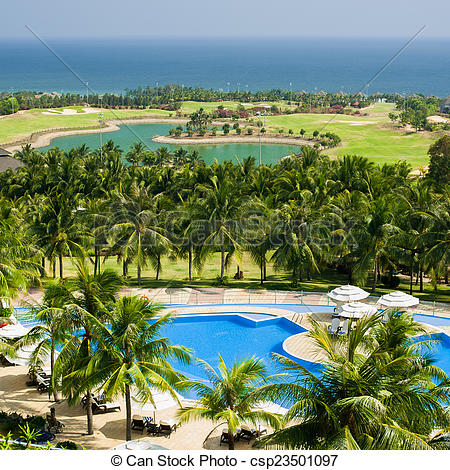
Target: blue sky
[{"x": 230, "y": 18}]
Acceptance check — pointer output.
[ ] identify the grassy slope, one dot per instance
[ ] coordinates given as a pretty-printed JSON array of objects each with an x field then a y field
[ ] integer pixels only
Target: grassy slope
[
  {"x": 377, "y": 138},
  {"x": 174, "y": 274},
  {"x": 22, "y": 124}
]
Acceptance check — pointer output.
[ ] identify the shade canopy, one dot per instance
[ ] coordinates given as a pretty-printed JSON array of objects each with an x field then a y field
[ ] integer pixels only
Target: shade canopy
[
  {"x": 357, "y": 310},
  {"x": 398, "y": 299},
  {"x": 139, "y": 445},
  {"x": 162, "y": 400},
  {"x": 347, "y": 293},
  {"x": 13, "y": 331}
]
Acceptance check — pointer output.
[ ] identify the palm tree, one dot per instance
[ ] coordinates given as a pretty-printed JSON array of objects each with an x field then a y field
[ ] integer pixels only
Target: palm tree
[
  {"x": 87, "y": 295},
  {"x": 300, "y": 233},
  {"x": 221, "y": 202},
  {"x": 373, "y": 234},
  {"x": 136, "y": 229},
  {"x": 376, "y": 390},
  {"x": 230, "y": 396},
  {"x": 18, "y": 255},
  {"x": 131, "y": 356},
  {"x": 53, "y": 330},
  {"x": 58, "y": 228}
]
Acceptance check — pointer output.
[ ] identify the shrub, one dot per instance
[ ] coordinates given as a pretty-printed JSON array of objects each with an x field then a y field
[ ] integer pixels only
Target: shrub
[
  {"x": 315, "y": 133},
  {"x": 249, "y": 131},
  {"x": 220, "y": 281},
  {"x": 290, "y": 131},
  {"x": 67, "y": 445},
  {"x": 238, "y": 131},
  {"x": 390, "y": 281}
]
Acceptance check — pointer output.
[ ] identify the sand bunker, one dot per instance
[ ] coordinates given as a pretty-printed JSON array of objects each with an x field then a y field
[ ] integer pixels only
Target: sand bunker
[{"x": 69, "y": 112}]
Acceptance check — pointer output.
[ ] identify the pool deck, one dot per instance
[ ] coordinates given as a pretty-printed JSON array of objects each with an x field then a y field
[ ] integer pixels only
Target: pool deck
[{"x": 109, "y": 428}]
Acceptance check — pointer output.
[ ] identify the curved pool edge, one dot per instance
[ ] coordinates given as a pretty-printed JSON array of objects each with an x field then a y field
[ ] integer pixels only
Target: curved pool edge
[{"x": 296, "y": 345}]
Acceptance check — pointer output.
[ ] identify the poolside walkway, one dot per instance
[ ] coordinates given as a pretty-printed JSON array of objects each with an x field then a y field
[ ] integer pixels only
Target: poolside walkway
[{"x": 109, "y": 428}]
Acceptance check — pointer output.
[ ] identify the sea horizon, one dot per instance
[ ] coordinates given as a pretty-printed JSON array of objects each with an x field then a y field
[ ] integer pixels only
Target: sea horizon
[{"x": 300, "y": 63}]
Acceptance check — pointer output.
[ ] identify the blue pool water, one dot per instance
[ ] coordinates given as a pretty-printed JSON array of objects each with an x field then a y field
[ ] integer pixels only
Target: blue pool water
[
  {"x": 233, "y": 336},
  {"x": 237, "y": 336}
]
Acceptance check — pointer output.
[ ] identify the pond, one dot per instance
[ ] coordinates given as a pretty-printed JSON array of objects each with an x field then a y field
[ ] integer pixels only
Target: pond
[{"x": 128, "y": 135}]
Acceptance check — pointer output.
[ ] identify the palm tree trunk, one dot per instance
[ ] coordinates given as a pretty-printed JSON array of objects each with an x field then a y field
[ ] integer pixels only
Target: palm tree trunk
[
  {"x": 139, "y": 273},
  {"x": 89, "y": 414},
  {"x": 231, "y": 441},
  {"x": 265, "y": 267},
  {"x": 43, "y": 266},
  {"x": 421, "y": 279},
  {"x": 411, "y": 273},
  {"x": 128, "y": 411},
  {"x": 375, "y": 275},
  {"x": 52, "y": 365},
  {"x": 124, "y": 268},
  {"x": 95, "y": 260},
  {"x": 158, "y": 266},
  {"x": 60, "y": 264},
  {"x": 54, "y": 268},
  {"x": 261, "y": 268},
  {"x": 190, "y": 261},
  {"x": 222, "y": 255}
]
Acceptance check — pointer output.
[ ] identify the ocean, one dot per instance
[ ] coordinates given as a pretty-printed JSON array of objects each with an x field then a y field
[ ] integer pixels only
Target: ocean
[{"x": 112, "y": 65}]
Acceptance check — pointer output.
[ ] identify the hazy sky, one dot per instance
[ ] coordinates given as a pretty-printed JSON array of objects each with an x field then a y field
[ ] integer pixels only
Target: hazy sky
[{"x": 107, "y": 18}]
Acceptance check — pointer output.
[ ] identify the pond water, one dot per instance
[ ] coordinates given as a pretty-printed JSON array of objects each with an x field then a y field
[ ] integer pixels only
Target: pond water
[{"x": 128, "y": 135}]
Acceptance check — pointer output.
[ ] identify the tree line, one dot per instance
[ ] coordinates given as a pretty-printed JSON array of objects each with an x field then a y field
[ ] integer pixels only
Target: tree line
[{"x": 304, "y": 214}]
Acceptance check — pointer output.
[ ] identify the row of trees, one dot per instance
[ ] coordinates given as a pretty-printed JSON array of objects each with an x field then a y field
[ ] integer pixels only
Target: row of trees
[
  {"x": 304, "y": 214},
  {"x": 171, "y": 97},
  {"x": 375, "y": 390}
]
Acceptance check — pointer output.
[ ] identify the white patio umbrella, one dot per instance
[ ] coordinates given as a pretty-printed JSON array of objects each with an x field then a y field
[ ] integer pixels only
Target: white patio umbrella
[
  {"x": 162, "y": 400},
  {"x": 347, "y": 293},
  {"x": 357, "y": 310},
  {"x": 398, "y": 299},
  {"x": 13, "y": 331},
  {"x": 139, "y": 445}
]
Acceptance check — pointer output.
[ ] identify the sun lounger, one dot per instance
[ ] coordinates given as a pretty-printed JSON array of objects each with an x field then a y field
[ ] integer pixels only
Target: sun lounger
[
  {"x": 43, "y": 384},
  {"x": 101, "y": 406},
  {"x": 54, "y": 426},
  {"x": 345, "y": 327},
  {"x": 137, "y": 423},
  {"x": 225, "y": 437},
  {"x": 335, "y": 325},
  {"x": 152, "y": 428},
  {"x": 167, "y": 427},
  {"x": 247, "y": 434}
]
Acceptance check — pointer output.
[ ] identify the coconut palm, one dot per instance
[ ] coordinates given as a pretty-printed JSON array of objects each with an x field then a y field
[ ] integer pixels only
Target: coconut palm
[
  {"x": 86, "y": 294},
  {"x": 231, "y": 396},
  {"x": 53, "y": 330},
  {"x": 373, "y": 234},
  {"x": 221, "y": 203},
  {"x": 136, "y": 227},
  {"x": 376, "y": 389},
  {"x": 18, "y": 255},
  {"x": 131, "y": 357}
]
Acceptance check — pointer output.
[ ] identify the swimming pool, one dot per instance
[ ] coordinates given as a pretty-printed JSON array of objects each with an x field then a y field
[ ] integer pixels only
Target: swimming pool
[
  {"x": 239, "y": 335},
  {"x": 235, "y": 336}
]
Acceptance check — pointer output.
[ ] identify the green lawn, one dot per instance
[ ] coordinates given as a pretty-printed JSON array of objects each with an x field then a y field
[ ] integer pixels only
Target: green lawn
[
  {"x": 175, "y": 273},
  {"x": 18, "y": 126},
  {"x": 371, "y": 135}
]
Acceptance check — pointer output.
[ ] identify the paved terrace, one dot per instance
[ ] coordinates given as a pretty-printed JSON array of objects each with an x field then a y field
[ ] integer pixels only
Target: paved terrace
[{"x": 212, "y": 295}]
